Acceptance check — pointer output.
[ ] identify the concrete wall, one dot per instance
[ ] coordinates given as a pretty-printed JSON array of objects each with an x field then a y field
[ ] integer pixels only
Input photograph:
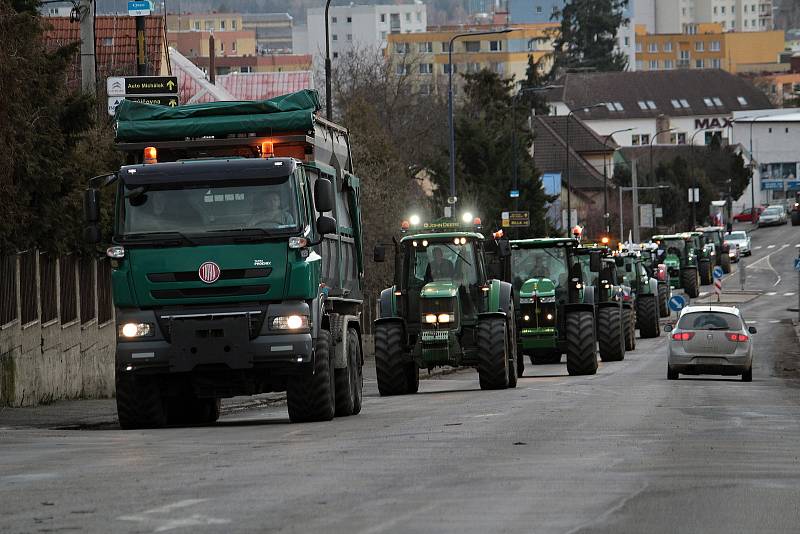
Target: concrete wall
[{"x": 41, "y": 363}]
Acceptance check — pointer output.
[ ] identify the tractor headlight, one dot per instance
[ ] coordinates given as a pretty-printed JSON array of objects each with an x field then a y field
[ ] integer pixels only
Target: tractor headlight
[
  {"x": 134, "y": 330},
  {"x": 430, "y": 318},
  {"x": 446, "y": 318}
]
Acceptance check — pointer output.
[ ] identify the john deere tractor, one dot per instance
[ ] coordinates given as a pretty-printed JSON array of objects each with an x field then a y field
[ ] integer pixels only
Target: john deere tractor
[
  {"x": 443, "y": 310},
  {"x": 658, "y": 271},
  {"x": 615, "y": 316},
  {"x": 678, "y": 253},
  {"x": 556, "y": 313},
  {"x": 720, "y": 251},
  {"x": 643, "y": 293}
]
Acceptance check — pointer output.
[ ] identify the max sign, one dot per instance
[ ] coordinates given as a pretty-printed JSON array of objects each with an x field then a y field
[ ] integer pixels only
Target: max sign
[{"x": 705, "y": 124}]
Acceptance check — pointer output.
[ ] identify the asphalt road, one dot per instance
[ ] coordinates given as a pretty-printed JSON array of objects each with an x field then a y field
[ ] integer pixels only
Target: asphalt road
[{"x": 622, "y": 451}]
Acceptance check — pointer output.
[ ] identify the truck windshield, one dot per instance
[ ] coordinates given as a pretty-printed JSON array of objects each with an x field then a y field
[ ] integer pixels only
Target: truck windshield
[
  {"x": 539, "y": 263},
  {"x": 441, "y": 261},
  {"x": 264, "y": 205}
]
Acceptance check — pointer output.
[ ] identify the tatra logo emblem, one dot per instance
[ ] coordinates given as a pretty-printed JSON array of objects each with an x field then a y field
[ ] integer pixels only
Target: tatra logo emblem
[{"x": 209, "y": 272}]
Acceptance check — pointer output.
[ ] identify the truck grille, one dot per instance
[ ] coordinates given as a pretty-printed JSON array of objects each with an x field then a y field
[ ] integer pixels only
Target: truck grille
[
  {"x": 200, "y": 292},
  {"x": 255, "y": 319},
  {"x": 193, "y": 276}
]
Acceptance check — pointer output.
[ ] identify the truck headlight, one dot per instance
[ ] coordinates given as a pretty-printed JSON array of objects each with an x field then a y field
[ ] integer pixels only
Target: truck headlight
[
  {"x": 290, "y": 322},
  {"x": 134, "y": 330}
]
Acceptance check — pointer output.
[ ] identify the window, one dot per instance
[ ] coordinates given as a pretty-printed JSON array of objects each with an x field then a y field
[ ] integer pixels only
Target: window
[
  {"x": 685, "y": 103},
  {"x": 676, "y": 104},
  {"x": 246, "y": 68},
  {"x": 700, "y": 64},
  {"x": 233, "y": 46},
  {"x": 742, "y": 100},
  {"x": 717, "y": 101},
  {"x": 627, "y": 41},
  {"x": 402, "y": 48},
  {"x": 222, "y": 25},
  {"x": 222, "y": 46},
  {"x": 651, "y": 104},
  {"x": 645, "y": 139},
  {"x": 669, "y": 64},
  {"x": 233, "y": 24},
  {"x": 699, "y": 46},
  {"x": 349, "y": 19},
  {"x": 635, "y": 140},
  {"x": 445, "y": 46},
  {"x": 419, "y": 16},
  {"x": 499, "y": 68},
  {"x": 668, "y": 46},
  {"x": 425, "y": 89},
  {"x": 681, "y": 138},
  {"x": 334, "y": 20},
  {"x": 538, "y": 9},
  {"x": 638, "y": 47},
  {"x": 197, "y": 25},
  {"x": 349, "y": 36},
  {"x": 408, "y": 17},
  {"x": 472, "y": 68},
  {"x": 383, "y": 36},
  {"x": 642, "y": 105},
  {"x": 401, "y": 69},
  {"x": 472, "y": 46},
  {"x": 209, "y": 25},
  {"x": 714, "y": 46},
  {"x": 496, "y": 46},
  {"x": 716, "y": 64},
  {"x": 383, "y": 17},
  {"x": 446, "y": 68},
  {"x": 426, "y": 48},
  {"x": 653, "y": 64},
  {"x": 653, "y": 48},
  {"x": 708, "y": 102},
  {"x": 618, "y": 106},
  {"x": 684, "y": 55},
  {"x": 109, "y": 41},
  {"x": 426, "y": 68}
]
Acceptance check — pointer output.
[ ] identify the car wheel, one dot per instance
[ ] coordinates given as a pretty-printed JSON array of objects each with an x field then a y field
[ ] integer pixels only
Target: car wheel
[{"x": 672, "y": 374}]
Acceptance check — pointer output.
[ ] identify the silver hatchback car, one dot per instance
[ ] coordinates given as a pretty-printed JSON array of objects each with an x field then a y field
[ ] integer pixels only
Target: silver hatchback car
[{"x": 710, "y": 340}]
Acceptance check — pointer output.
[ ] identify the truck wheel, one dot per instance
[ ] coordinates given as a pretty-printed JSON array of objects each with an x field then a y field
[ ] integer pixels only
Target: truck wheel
[
  {"x": 663, "y": 300},
  {"x": 725, "y": 262},
  {"x": 689, "y": 282},
  {"x": 349, "y": 381},
  {"x": 706, "y": 278},
  {"x": 493, "y": 353},
  {"x": 139, "y": 402},
  {"x": 629, "y": 321},
  {"x": 611, "y": 334},
  {"x": 312, "y": 397},
  {"x": 647, "y": 314},
  {"x": 796, "y": 218},
  {"x": 581, "y": 355},
  {"x": 391, "y": 365}
]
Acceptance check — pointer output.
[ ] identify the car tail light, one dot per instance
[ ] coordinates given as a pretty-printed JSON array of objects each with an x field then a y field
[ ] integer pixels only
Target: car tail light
[
  {"x": 683, "y": 336},
  {"x": 737, "y": 338},
  {"x": 662, "y": 272}
]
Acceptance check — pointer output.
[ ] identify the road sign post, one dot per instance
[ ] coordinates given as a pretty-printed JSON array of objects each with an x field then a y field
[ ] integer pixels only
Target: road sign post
[
  {"x": 677, "y": 303},
  {"x": 797, "y": 268},
  {"x": 160, "y": 90},
  {"x": 718, "y": 274}
]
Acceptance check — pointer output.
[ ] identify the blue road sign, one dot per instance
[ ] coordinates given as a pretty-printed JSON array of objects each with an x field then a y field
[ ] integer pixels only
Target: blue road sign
[
  {"x": 797, "y": 264},
  {"x": 718, "y": 272},
  {"x": 514, "y": 193},
  {"x": 139, "y": 8},
  {"x": 677, "y": 303}
]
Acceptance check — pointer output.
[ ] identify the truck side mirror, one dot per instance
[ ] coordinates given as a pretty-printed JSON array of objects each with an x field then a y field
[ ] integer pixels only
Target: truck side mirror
[
  {"x": 595, "y": 262},
  {"x": 326, "y": 225},
  {"x": 91, "y": 206},
  {"x": 323, "y": 195},
  {"x": 379, "y": 254}
]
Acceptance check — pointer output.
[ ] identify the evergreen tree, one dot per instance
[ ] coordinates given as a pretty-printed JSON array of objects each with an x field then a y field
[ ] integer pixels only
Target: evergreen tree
[
  {"x": 588, "y": 35},
  {"x": 535, "y": 78},
  {"x": 485, "y": 155}
]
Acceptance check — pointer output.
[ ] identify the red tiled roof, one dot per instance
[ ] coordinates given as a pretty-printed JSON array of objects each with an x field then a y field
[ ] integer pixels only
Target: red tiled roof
[
  {"x": 115, "y": 45},
  {"x": 262, "y": 85}
]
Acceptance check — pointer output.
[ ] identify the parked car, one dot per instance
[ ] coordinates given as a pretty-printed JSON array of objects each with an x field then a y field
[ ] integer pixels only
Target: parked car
[
  {"x": 773, "y": 215},
  {"x": 710, "y": 340},
  {"x": 741, "y": 239},
  {"x": 747, "y": 215}
]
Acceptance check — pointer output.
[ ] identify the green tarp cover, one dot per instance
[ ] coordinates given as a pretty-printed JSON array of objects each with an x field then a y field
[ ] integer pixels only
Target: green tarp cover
[{"x": 149, "y": 122}]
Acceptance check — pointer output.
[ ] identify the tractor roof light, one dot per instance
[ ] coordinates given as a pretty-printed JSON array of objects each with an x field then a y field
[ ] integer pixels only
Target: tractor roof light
[
  {"x": 414, "y": 220},
  {"x": 150, "y": 155},
  {"x": 466, "y": 217}
]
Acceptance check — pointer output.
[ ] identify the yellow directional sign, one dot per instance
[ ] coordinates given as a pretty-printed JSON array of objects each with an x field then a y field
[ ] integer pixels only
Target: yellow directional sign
[
  {"x": 141, "y": 85},
  {"x": 516, "y": 219}
]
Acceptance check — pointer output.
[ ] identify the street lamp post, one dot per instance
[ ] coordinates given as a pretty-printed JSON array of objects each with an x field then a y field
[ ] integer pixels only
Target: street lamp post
[
  {"x": 452, "y": 200},
  {"x": 569, "y": 174},
  {"x": 328, "y": 96},
  {"x": 606, "y": 215},
  {"x": 652, "y": 176}
]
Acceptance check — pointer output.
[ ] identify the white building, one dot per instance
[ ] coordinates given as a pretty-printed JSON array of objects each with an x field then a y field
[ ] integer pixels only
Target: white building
[
  {"x": 774, "y": 135},
  {"x": 672, "y": 16},
  {"x": 361, "y": 27},
  {"x": 693, "y": 105}
]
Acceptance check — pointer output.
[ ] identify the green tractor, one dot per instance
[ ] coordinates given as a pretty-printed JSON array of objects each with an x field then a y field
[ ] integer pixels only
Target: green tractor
[
  {"x": 443, "y": 310},
  {"x": 679, "y": 254},
  {"x": 658, "y": 271},
  {"x": 615, "y": 319},
  {"x": 719, "y": 251},
  {"x": 555, "y": 314},
  {"x": 641, "y": 289},
  {"x": 704, "y": 255}
]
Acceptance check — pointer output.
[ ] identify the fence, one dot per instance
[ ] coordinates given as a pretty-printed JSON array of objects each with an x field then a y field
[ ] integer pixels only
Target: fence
[{"x": 55, "y": 338}]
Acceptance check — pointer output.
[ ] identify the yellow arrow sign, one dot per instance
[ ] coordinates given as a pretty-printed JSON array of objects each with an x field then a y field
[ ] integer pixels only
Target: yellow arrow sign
[
  {"x": 170, "y": 84},
  {"x": 173, "y": 103}
]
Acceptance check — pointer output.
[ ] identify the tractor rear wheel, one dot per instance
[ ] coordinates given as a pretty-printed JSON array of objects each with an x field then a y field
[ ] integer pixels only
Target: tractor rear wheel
[
  {"x": 690, "y": 282},
  {"x": 493, "y": 353},
  {"x": 391, "y": 364},
  {"x": 647, "y": 313},
  {"x": 663, "y": 300},
  {"x": 629, "y": 328},
  {"x": 611, "y": 333},
  {"x": 706, "y": 278},
  {"x": 581, "y": 354}
]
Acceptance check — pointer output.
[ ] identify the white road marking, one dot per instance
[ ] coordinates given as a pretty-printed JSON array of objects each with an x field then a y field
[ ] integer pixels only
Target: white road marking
[
  {"x": 171, "y": 523},
  {"x": 774, "y": 321},
  {"x": 797, "y": 246},
  {"x": 704, "y": 294},
  {"x": 771, "y": 294},
  {"x": 769, "y": 265},
  {"x": 770, "y": 246},
  {"x": 785, "y": 245},
  {"x": 789, "y": 294},
  {"x": 759, "y": 247}
]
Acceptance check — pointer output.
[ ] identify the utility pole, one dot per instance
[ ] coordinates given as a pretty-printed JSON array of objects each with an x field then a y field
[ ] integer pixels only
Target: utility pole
[
  {"x": 635, "y": 201},
  {"x": 88, "y": 79},
  {"x": 212, "y": 59}
]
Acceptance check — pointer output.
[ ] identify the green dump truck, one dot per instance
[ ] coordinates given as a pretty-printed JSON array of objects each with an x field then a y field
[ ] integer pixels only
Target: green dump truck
[
  {"x": 555, "y": 314},
  {"x": 443, "y": 309},
  {"x": 237, "y": 260}
]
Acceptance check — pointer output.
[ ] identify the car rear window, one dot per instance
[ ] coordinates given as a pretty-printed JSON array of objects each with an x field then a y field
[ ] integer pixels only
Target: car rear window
[
  {"x": 709, "y": 320},
  {"x": 737, "y": 235}
]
